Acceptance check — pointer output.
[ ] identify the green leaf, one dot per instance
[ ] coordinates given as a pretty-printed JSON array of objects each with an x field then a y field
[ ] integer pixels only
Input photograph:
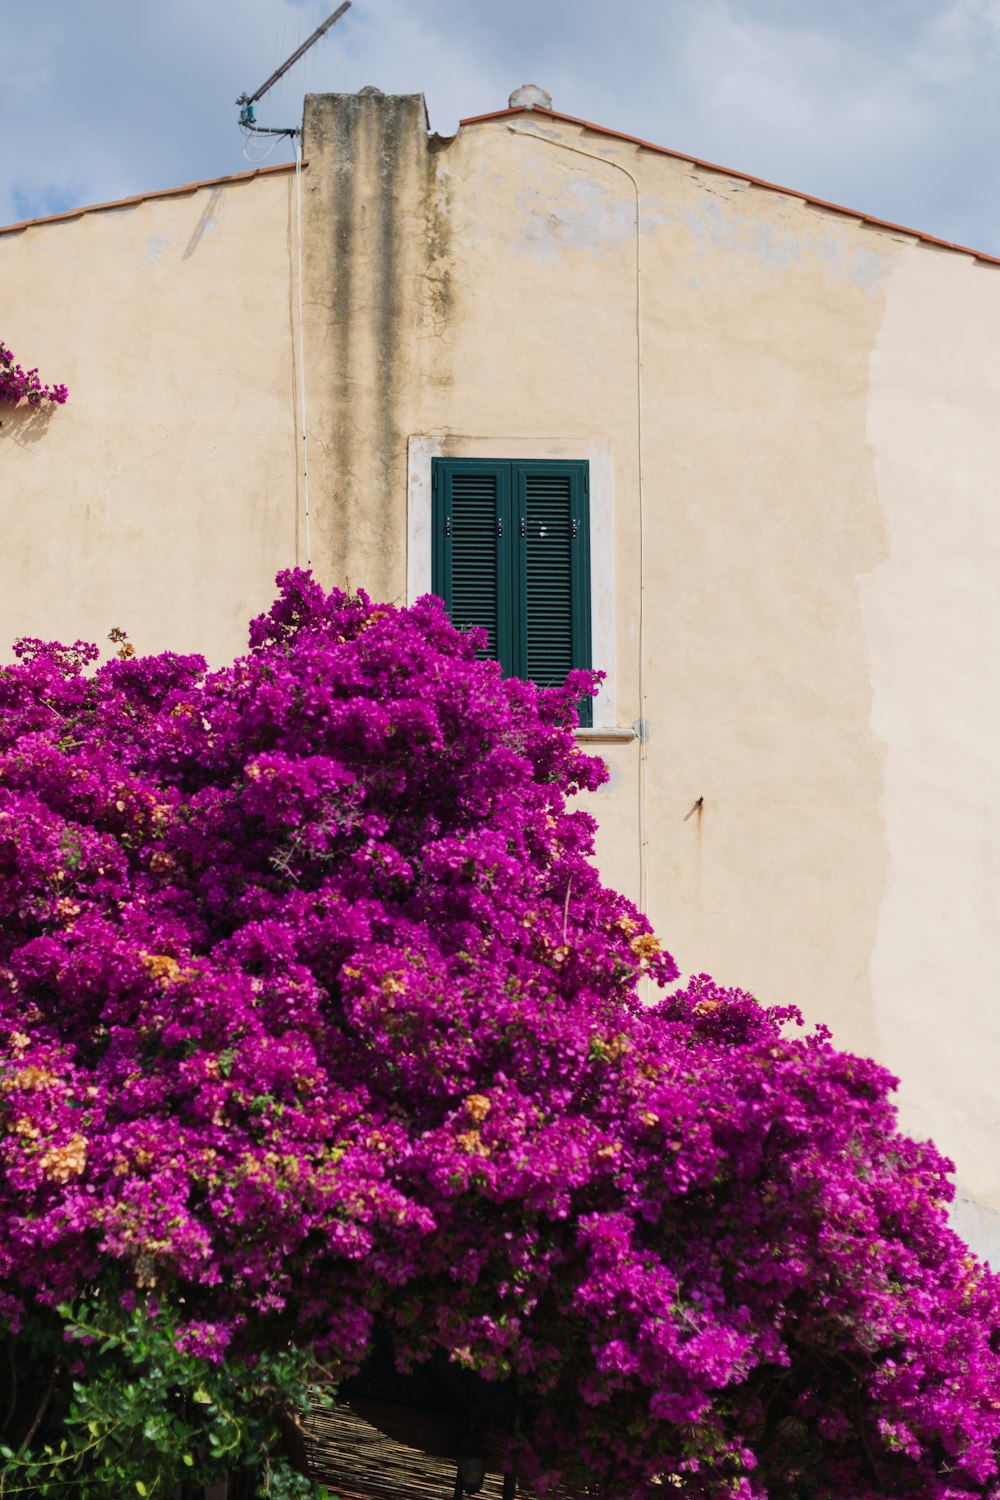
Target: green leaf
[
  {"x": 141, "y": 1487},
  {"x": 201, "y": 1396}
]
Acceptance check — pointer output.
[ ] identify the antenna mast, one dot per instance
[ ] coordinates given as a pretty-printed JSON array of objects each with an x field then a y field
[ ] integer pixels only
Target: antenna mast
[{"x": 246, "y": 102}]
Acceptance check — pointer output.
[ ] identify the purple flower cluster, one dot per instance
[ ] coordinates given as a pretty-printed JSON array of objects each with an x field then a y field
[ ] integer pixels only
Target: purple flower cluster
[
  {"x": 315, "y": 1016},
  {"x": 17, "y": 384}
]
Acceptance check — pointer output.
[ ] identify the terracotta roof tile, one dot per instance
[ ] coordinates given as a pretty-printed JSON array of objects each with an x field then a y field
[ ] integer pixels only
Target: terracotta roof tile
[
  {"x": 711, "y": 166},
  {"x": 174, "y": 192}
]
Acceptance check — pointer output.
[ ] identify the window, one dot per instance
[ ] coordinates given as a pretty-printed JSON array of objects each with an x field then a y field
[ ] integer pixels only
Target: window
[{"x": 512, "y": 554}]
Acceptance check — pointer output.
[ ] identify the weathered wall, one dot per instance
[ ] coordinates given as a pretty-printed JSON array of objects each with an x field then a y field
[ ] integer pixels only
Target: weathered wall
[
  {"x": 368, "y": 227},
  {"x": 163, "y": 496}
]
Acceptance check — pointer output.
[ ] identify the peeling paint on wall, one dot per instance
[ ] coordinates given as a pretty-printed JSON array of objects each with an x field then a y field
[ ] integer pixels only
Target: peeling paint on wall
[
  {"x": 716, "y": 225},
  {"x": 587, "y": 216}
]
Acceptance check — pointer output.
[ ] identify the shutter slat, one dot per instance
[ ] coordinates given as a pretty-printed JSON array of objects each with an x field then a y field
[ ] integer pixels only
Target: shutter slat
[
  {"x": 474, "y": 595},
  {"x": 548, "y": 577}
]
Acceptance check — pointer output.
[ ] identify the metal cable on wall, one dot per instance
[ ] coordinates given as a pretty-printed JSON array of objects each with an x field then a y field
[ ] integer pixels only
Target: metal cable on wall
[{"x": 641, "y": 726}]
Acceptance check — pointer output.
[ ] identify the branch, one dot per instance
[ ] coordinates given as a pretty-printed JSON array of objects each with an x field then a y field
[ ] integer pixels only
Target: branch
[{"x": 43, "y": 1407}]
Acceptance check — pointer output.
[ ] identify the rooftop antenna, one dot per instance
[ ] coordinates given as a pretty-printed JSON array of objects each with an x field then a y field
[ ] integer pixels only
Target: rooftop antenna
[{"x": 246, "y": 102}]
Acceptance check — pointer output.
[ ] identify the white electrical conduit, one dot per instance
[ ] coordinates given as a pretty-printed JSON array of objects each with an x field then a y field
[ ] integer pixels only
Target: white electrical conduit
[
  {"x": 641, "y": 727},
  {"x": 302, "y": 355}
]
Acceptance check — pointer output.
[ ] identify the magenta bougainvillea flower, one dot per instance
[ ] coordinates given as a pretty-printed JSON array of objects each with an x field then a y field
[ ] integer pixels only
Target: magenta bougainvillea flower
[
  {"x": 17, "y": 384},
  {"x": 315, "y": 1018}
]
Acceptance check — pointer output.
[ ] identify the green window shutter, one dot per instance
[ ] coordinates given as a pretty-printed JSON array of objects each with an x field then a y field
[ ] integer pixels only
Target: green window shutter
[
  {"x": 472, "y": 561},
  {"x": 551, "y": 503},
  {"x": 512, "y": 554}
]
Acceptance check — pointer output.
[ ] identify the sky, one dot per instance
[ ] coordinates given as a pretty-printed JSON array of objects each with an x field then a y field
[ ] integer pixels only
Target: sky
[{"x": 887, "y": 106}]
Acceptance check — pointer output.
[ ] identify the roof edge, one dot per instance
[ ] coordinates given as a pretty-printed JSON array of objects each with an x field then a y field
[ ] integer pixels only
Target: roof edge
[
  {"x": 761, "y": 182},
  {"x": 174, "y": 192}
]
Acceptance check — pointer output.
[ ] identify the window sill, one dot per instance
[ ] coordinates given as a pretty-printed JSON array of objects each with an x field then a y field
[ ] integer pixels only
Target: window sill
[{"x": 605, "y": 736}]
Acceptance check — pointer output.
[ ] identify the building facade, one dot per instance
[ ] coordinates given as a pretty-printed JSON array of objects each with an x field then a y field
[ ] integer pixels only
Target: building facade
[{"x": 776, "y": 421}]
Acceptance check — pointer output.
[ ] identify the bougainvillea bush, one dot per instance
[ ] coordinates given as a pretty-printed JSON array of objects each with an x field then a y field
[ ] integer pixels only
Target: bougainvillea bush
[{"x": 316, "y": 1020}]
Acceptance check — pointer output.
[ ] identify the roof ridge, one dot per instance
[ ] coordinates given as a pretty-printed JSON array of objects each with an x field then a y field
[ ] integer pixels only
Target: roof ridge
[
  {"x": 552, "y": 114},
  {"x": 711, "y": 166},
  {"x": 187, "y": 187}
]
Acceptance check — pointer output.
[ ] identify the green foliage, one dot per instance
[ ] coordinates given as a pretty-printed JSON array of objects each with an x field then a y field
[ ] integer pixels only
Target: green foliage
[{"x": 126, "y": 1412}]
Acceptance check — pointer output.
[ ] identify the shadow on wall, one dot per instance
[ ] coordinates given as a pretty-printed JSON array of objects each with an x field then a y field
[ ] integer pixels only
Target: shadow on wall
[
  {"x": 24, "y": 424},
  {"x": 205, "y": 224}
]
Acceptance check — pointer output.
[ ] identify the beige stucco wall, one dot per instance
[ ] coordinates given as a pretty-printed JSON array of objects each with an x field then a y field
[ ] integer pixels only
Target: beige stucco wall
[
  {"x": 163, "y": 496},
  {"x": 789, "y": 416}
]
